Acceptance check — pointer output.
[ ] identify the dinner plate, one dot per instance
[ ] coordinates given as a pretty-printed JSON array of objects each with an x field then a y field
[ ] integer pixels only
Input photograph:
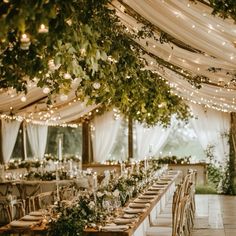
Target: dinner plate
[
  {"x": 36, "y": 213},
  {"x": 22, "y": 224},
  {"x": 31, "y": 218}
]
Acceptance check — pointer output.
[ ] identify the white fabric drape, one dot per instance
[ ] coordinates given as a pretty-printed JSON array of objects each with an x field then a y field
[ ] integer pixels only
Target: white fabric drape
[
  {"x": 150, "y": 140},
  {"x": 37, "y": 135},
  {"x": 9, "y": 134},
  {"x": 212, "y": 128},
  {"x": 106, "y": 129}
]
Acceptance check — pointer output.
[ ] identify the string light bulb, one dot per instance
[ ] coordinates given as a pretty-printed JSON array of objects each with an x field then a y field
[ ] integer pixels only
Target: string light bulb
[
  {"x": 63, "y": 97},
  {"x": 46, "y": 90},
  {"x": 23, "y": 98}
]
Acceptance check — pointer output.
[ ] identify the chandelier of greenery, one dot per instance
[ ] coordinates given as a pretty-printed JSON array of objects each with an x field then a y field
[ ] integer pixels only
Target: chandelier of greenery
[{"x": 57, "y": 44}]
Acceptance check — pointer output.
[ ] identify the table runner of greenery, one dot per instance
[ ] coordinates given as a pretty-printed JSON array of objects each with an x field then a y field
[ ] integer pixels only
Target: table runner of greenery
[{"x": 89, "y": 208}]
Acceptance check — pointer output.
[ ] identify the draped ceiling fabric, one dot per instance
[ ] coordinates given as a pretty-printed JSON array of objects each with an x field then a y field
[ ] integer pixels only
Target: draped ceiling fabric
[
  {"x": 210, "y": 44},
  {"x": 36, "y": 110}
]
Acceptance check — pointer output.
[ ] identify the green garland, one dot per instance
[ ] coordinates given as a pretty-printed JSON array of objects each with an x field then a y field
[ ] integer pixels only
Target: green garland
[
  {"x": 224, "y": 9},
  {"x": 59, "y": 44},
  {"x": 85, "y": 213}
]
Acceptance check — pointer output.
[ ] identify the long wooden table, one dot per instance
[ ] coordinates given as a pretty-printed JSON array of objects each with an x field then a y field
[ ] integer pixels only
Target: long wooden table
[
  {"x": 132, "y": 231},
  {"x": 143, "y": 218}
]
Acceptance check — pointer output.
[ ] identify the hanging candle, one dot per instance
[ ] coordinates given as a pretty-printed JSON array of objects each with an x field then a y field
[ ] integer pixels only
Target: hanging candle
[
  {"x": 43, "y": 29},
  {"x": 24, "y": 42}
]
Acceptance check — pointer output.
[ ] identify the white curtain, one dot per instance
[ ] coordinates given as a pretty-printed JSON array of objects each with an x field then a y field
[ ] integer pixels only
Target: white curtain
[
  {"x": 150, "y": 140},
  {"x": 104, "y": 136},
  {"x": 9, "y": 134},
  {"x": 212, "y": 128},
  {"x": 37, "y": 135}
]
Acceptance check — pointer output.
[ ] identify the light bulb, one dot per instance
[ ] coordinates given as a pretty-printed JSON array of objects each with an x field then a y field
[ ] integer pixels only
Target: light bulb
[
  {"x": 67, "y": 76},
  {"x": 46, "y": 90},
  {"x": 23, "y": 99},
  {"x": 96, "y": 85},
  {"x": 63, "y": 97}
]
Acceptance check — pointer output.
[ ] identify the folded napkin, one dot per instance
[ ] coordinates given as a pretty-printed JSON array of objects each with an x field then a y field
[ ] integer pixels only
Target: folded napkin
[
  {"x": 31, "y": 218},
  {"x": 138, "y": 200},
  {"x": 122, "y": 221},
  {"x": 36, "y": 213},
  {"x": 149, "y": 192},
  {"x": 22, "y": 224},
  {"x": 138, "y": 205},
  {"x": 134, "y": 210},
  {"x": 129, "y": 216},
  {"x": 155, "y": 189},
  {"x": 166, "y": 179},
  {"x": 160, "y": 186},
  {"x": 115, "y": 228},
  {"x": 147, "y": 196}
]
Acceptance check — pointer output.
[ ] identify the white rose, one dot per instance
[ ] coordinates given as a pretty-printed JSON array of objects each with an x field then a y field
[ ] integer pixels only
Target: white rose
[
  {"x": 99, "y": 194},
  {"x": 91, "y": 205},
  {"x": 116, "y": 193}
]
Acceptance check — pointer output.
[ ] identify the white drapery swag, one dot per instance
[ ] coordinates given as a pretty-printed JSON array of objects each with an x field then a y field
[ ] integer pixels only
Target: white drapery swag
[
  {"x": 37, "y": 135},
  {"x": 150, "y": 140},
  {"x": 212, "y": 128},
  {"x": 104, "y": 136},
  {"x": 10, "y": 130}
]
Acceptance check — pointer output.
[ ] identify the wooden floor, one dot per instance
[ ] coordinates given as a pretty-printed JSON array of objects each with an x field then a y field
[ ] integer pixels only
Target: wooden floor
[{"x": 215, "y": 215}]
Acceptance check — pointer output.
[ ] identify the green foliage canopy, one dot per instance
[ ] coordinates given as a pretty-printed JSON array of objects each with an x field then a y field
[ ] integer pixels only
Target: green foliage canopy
[{"x": 58, "y": 44}]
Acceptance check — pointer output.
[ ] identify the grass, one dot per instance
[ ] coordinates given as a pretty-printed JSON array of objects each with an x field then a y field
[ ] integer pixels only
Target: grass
[{"x": 205, "y": 189}]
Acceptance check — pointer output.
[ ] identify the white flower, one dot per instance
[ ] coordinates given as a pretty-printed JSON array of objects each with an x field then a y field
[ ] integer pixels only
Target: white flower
[
  {"x": 91, "y": 205},
  {"x": 100, "y": 194},
  {"x": 116, "y": 193},
  {"x": 96, "y": 85}
]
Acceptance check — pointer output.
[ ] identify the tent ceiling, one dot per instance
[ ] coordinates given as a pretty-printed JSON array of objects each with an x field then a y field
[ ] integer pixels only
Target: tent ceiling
[{"x": 198, "y": 43}]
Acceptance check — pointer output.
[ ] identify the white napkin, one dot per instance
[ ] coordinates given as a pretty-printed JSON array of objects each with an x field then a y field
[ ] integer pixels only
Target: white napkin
[
  {"x": 115, "y": 227},
  {"x": 138, "y": 205},
  {"x": 22, "y": 224}
]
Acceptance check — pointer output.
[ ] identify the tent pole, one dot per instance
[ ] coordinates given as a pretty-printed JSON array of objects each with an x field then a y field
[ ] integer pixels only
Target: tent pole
[
  {"x": 24, "y": 146},
  {"x": 86, "y": 144}
]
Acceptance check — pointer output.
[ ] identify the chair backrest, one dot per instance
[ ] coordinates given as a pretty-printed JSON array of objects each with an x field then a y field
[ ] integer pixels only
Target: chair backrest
[
  {"x": 178, "y": 222},
  {"x": 42, "y": 200}
]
